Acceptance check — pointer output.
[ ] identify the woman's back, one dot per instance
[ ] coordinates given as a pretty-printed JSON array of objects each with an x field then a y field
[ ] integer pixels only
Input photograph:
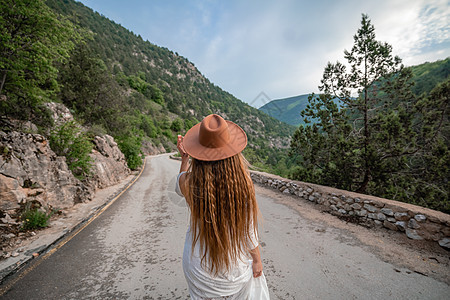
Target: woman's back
[
  {"x": 223, "y": 207},
  {"x": 221, "y": 250}
]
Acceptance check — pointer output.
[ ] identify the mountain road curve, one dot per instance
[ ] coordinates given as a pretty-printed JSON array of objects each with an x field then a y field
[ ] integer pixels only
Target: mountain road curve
[{"x": 134, "y": 250}]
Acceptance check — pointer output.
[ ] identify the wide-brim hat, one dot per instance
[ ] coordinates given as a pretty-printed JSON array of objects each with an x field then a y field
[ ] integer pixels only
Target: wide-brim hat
[{"x": 214, "y": 139}]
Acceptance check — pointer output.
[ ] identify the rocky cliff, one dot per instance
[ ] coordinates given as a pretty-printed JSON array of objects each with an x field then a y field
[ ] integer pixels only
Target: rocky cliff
[
  {"x": 31, "y": 172},
  {"x": 109, "y": 164}
]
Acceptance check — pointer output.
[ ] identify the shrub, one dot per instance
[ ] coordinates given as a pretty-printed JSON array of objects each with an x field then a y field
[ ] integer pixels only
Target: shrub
[
  {"x": 70, "y": 141},
  {"x": 168, "y": 133},
  {"x": 148, "y": 126},
  {"x": 130, "y": 145},
  {"x": 177, "y": 125},
  {"x": 97, "y": 130},
  {"x": 35, "y": 218}
]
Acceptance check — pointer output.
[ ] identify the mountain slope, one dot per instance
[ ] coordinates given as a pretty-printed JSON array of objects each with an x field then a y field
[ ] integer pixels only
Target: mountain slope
[
  {"x": 425, "y": 76},
  {"x": 429, "y": 74},
  {"x": 287, "y": 109},
  {"x": 144, "y": 70}
]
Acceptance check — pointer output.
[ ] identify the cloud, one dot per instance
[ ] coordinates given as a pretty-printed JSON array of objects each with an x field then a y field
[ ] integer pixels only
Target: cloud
[
  {"x": 282, "y": 49},
  {"x": 418, "y": 31}
]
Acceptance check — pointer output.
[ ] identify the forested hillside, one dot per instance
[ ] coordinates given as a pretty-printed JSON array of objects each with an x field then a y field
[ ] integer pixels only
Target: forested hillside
[
  {"x": 287, "y": 110},
  {"x": 426, "y": 76},
  {"x": 164, "y": 93},
  {"x": 115, "y": 82}
]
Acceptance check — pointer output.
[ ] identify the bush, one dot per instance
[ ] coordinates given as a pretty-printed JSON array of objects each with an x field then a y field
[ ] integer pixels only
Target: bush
[
  {"x": 168, "y": 133},
  {"x": 42, "y": 117},
  {"x": 130, "y": 145},
  {"x": 177, "y": 125},
  {"x": 165, "y": 123},
  {"x": 148, "y": 126},
  {"x": 34, "y": 218},
  {"x": 70, "y": 141}
]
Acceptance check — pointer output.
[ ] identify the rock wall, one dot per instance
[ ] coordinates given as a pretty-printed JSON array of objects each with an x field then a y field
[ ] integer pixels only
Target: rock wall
[
  {"x": 60, "y": 113},
  {"x": 148, "y": 148},
  {"x": 416, "y": 222},
  {"x": 109, "y": 163},
  {"x": 30, "y": 170}
]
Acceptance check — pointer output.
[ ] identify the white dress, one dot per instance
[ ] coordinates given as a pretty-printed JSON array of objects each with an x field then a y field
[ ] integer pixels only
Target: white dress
[{"x": 238, "y": 283}]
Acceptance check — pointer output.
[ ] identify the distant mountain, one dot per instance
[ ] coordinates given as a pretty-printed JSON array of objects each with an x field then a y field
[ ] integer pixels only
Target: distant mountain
[
  {"x": 287, "y": 110},
  {"x": 425, "y": 76},
  {"x": 429, "y": 74}
]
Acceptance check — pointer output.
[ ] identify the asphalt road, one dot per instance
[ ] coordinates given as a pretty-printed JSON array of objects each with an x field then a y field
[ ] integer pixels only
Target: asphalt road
[{"x": 134, "y": 249}]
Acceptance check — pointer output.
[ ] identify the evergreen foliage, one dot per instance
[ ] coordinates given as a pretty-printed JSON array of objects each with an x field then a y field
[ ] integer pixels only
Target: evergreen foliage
[
  {"x": 130, "y": 145},
  {"x": 90, "y": 90},
  {"x": 385, "y": 141}
]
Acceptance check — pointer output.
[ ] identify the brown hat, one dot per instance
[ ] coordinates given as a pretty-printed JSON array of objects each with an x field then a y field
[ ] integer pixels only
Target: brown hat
[{"x": 214, "y": 139}]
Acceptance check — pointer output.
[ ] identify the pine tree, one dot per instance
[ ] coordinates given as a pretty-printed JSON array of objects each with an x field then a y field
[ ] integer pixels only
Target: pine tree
[
  {"x": 429, "y": 168},
  {"x": 362, "y": 122}
]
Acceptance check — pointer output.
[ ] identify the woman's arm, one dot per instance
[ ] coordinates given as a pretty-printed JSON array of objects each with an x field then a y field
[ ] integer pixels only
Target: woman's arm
[
  {"x": 184, "y": 156},
  {"x": 257, "y": 263},
  {"x": 184, "y": 164}
]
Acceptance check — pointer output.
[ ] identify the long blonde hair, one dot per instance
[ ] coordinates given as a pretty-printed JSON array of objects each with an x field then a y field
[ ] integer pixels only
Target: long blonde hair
[{"x": 224, "y": 211}]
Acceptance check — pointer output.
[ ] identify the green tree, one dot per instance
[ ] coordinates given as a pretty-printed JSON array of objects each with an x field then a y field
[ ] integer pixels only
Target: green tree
[
  {"x": 90, "y": 90},
  {"x": 130, "y": 145},
  {"x": 362, "y": 140},
  {"x": 148, "y": 126},
  {"x": 156, "y": 94},
  {"x": 70, "y": 141},
  {"x": 32, "y": 39},
  {"x": 188, "y": 123},
  {"x": 430, "y": 166},
  {"x": 177, "y": 125}
]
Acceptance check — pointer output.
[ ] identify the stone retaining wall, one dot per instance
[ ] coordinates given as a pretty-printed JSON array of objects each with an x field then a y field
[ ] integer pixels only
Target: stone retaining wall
[{"x": 416, "y": 222}]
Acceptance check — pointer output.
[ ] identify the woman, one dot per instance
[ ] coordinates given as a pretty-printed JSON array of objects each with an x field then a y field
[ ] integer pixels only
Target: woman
[{"x": 221, "y": 258}]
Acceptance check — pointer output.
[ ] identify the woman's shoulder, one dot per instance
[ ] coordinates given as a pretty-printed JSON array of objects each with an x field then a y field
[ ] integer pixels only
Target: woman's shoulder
[
  {"x": 182, "y": 182},
  {"x": 183, "y": 176}
]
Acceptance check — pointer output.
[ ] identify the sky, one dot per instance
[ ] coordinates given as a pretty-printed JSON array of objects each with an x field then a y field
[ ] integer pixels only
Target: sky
[{"x": 261, "y": 50}]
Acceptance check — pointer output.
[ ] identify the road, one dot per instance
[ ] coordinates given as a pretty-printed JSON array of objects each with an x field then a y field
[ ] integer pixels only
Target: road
[{"x": 134, "y": 249}]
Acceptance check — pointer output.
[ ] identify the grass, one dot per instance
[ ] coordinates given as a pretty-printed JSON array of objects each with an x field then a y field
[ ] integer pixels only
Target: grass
[{"x": 34, "y": 218}]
